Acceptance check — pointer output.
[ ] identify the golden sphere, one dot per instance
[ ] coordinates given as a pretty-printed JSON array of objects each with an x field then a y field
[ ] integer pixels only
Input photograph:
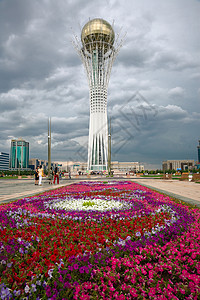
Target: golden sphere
[{"x": 97, "y": 33}]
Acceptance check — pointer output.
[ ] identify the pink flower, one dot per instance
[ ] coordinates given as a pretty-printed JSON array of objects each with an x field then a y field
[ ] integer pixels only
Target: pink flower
[
  {"x": 121, "y": 297},
  {"x": 133, "y": 292},
  {"x": 123, "y": 287},
  {"x": 149, "y": 266},
  {"x": 150, "y": 274},
  {"x": 88, "y": 285},
  {"x": 182, "y": 291}
]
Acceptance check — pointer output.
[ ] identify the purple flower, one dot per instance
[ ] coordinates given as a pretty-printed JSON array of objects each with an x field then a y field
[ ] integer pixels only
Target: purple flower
[
  {"x": 16, "y": 293},
  {"x": 70, "y": 268},
  {"x": 33, "y": 288},
  {"x": 138, "y": 233},
  {"x": 76, "y": 266},
  {"x": 86, "y": 269},
  {"x": 67, "y": 285},
  {"x": 4, "y": 292},
  {"x": 21, "y": 250},
  {"x": 44, "y": 284},
  {"x": 82, "y": 270}
]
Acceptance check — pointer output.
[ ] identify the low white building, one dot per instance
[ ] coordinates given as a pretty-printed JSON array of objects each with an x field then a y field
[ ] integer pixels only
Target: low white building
[
  {"x": 126, "y": 167},
  {"x": 116, "y": 166}
]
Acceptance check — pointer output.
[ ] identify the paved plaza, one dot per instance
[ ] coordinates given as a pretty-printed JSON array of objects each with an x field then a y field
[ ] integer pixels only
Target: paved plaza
[
  {"x": 19, "y": 188},
  {"x": 11, "y": 189},
  {"x": 183, "y": 190}
]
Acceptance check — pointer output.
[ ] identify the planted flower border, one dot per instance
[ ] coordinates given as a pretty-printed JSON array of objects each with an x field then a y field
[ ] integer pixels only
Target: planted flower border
[{"x": 100, "y": 240}]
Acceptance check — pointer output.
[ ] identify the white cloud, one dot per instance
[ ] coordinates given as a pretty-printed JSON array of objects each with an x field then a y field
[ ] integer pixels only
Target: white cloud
[{"x": 176, "y": 92}]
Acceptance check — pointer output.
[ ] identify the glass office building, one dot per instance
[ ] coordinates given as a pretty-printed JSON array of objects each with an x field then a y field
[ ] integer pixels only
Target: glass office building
[
  {"x": 4, "y": 161},
  {"x": 19, "y": 154}
]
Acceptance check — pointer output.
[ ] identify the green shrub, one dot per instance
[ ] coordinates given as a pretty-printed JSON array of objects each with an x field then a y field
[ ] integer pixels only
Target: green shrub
[{"x": 88, "y": 203}]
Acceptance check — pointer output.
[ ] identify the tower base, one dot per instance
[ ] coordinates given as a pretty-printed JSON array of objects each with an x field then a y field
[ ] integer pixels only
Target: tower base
[{"x": 98, "y": 168}]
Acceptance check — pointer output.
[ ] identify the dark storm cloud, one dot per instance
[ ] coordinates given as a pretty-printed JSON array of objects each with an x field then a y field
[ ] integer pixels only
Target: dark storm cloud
[
  {"x": 34, "y": 39},
  {"x": 42, "y": 76}
]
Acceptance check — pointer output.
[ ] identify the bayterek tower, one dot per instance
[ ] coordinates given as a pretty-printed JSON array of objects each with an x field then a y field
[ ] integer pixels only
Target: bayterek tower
[{"x": 98, "y": 49}]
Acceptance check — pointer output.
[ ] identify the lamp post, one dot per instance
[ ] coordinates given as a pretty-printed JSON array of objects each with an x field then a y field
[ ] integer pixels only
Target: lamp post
[
  {"x": 49, "y": 146},
  {"x": 109, "y": 149}
]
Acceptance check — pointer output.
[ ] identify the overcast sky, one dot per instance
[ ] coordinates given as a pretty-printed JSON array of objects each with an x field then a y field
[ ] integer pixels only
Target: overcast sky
[{"x": 153, "y": 94}]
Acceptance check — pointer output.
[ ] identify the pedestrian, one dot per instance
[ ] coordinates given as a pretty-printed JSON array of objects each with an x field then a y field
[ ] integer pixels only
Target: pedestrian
[
  {"x": 36, "y": 176},
  {"x": 56, "y": 176},
  {"x": 69, "y": 174},
  {"x": 51, "y": 175},
  {"x": 41, "y": 174}
]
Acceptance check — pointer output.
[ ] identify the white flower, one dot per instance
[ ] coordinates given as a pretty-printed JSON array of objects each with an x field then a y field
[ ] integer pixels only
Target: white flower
[
  {"x": 26, "y": 289},
  {"x": 97, "y": 205}
]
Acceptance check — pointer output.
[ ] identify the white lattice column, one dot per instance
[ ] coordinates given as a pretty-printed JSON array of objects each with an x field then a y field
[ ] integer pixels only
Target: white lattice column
[{"x": 98, "y": 51}]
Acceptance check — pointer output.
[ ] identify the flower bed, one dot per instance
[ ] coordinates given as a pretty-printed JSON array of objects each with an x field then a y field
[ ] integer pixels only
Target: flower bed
[{"x": 99, "y": 240}]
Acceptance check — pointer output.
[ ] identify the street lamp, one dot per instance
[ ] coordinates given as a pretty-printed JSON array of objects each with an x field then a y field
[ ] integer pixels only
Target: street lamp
[
  {"x": 49, "y": 146},
  {"x": 109, "y": 149}
]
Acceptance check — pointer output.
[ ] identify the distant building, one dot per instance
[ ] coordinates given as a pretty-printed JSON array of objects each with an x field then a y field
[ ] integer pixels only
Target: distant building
[
  {"x": 198, "y": 151},
  {"x": 19, "y": 154},
  {"x": 73, "y": 166},
  {"x": 126, "y": 166},
  {"x": 116, "y": 166},
  {"x": 35, "y": 162},
  {"x": 4, "y": 161},
  {"x": 182, "y": 165},
  {"x": 197, "y": 165}
]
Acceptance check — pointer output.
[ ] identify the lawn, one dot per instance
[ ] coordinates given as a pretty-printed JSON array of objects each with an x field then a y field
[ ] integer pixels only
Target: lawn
[{"x": 100, "y": 240}]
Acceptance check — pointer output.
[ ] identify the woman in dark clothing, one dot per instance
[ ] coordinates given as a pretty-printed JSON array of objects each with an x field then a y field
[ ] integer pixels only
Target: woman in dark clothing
[
  {"x": 56, "y": 176},
  {"x": 36, "y": 176}
]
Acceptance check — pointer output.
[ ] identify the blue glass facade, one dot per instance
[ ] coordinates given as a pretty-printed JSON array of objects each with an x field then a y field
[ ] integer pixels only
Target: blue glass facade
[
  {"x": 4, "y": 161},
  {"x": 19, "y": 154}
]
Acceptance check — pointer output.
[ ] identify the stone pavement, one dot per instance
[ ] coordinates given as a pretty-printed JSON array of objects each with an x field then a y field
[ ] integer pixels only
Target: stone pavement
[
  {"x": 12, "y": 189},
  {"x": 183, "y": 190}
]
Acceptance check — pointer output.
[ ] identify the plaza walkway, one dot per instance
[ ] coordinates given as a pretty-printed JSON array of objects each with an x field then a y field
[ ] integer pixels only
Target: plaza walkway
[
  {"x": 14, "y": 189},
  {"x": 183, "y": 190}
]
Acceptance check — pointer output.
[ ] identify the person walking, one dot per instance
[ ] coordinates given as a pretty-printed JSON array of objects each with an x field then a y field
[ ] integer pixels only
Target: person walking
[
  {"x": 56, "y": 176},
  {"x": 51, "y": 176},
  {"x": 36, "y": 176},
  {"x": 60, "y": 175},
  {"x": 41, "y": 174}
]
